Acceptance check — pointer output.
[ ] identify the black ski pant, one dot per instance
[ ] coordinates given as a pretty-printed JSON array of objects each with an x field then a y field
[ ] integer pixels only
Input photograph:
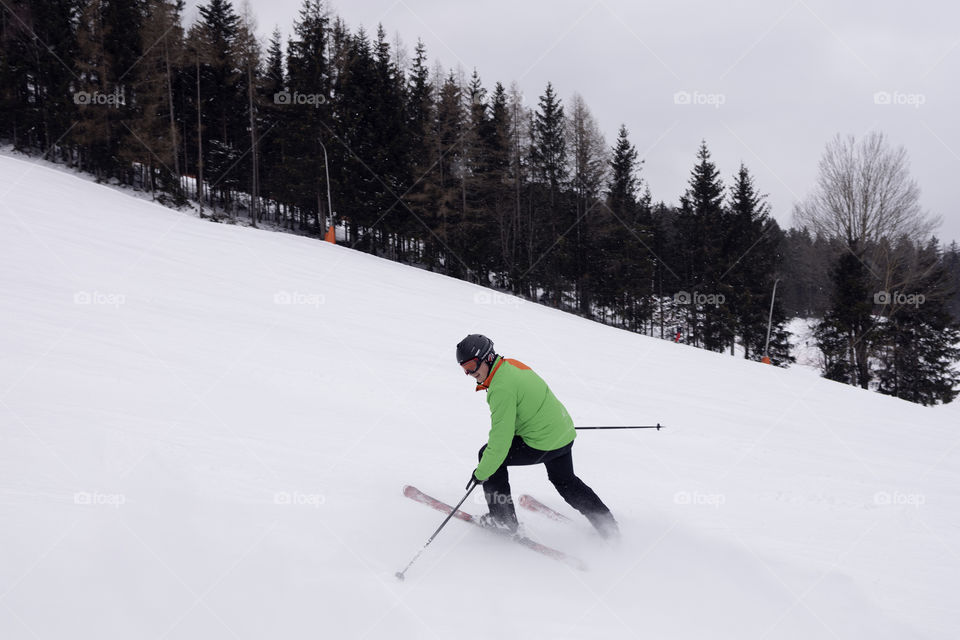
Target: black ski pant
[{"x": 559, "y": 464}]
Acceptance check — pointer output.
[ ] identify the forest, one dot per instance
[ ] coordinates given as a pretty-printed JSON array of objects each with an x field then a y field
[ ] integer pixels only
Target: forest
[{"x": 338, "y": 127}]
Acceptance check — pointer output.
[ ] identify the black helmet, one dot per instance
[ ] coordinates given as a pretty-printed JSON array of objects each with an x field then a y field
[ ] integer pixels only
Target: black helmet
[{"x": 475, "y": 346}]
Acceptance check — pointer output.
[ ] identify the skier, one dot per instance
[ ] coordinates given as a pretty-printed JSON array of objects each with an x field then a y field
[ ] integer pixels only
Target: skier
[{"x": 528, "y": 426}]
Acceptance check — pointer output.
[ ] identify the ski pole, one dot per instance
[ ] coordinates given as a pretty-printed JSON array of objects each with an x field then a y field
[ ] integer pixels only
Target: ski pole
[
  {"x": 470, "y": 489},
  {"x": 657, "y": 426}
]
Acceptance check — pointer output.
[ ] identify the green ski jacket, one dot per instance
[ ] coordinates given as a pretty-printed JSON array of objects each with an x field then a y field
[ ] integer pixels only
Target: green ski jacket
[{"x": 521, "y": 404}]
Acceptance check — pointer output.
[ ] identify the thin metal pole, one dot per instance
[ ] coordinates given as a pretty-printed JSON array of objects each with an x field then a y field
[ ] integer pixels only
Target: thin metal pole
[
  {"x": 326, "y": 169},
  {"x": 766, "y": 347},
  {"x": 657, "y": 426},
  {"x": 399, "y": 574}
]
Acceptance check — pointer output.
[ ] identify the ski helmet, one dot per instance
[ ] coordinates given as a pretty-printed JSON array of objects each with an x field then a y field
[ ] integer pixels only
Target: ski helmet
[{"x": 475, "y": 346}]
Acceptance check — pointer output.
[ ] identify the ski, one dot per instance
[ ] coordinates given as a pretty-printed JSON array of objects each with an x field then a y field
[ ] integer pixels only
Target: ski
[
  {"x": 418, "y": 496},
  {"x": 532, "y": 504}
]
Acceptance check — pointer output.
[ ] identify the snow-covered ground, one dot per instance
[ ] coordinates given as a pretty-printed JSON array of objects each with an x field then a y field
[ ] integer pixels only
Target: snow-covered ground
[{"x": 204, "y": 432}]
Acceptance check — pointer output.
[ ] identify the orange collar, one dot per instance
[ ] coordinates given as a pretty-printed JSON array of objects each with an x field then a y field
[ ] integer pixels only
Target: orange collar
[{"x": 483, "y": 386}]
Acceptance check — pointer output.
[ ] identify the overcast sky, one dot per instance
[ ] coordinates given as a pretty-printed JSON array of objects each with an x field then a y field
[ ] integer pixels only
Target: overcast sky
[{"x": 765, "y": 82}]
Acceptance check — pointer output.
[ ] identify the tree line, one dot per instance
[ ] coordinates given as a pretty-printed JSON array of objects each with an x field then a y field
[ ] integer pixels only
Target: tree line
[{"x": 429, "y": 167}]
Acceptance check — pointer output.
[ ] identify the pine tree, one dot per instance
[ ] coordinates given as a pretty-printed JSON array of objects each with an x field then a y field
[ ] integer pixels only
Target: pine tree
[
  {"x": 701, "y": 225},
  {"x": 419, "y": 99},
  {"x": 419, "y": 112},
  {"x": 308, "y": 125},
  {"x": 444, "y": 188},
  {"x": 665, "y": 280},
  {"x": 273, "y": 121},
  {"x": 98, "y": 95},
  {"x": 220, "y": 93},
  {"x": 550, "y": 217},
  {"x": 391, "y": 161},
  {"x": 355, "y": 104},
  {"x": 38, "y": 44},
  {"x": 671, "y": 272},
  {"x": 153, "y": 138},
  {"x": 124, "y": 48},
  {"x": 248, "y": 56},
  {"x": 197, "y": 55},
  {"x": 549, "y": 145},
  {"x": 919, "y": 341},
  {"x": 622, "y": 264},
  {"x": 842, "y": 333},
  {"x": 476, "y": 241},
  {"x": 496, "y": 183},
  {"x": 624, "y": 167},
  {"x": 751, "y": 249},
  {"x": 951, "y": 266},
  {"x": 107, "y": 67}
]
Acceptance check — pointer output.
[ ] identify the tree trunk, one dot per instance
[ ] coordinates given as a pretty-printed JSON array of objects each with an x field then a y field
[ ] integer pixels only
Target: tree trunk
[
  {"x": 199, "y": 143},
  {"x": 173, "y": 121},
  {"x": 255, "y": 156}
]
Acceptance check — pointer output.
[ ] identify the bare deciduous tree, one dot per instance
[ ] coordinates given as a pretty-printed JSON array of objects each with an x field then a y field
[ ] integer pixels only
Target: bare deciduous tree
[
  {"x": 866, "y": 198},
  {"x": 589, "y": 161},
  {"x": 865, "y": 194}
]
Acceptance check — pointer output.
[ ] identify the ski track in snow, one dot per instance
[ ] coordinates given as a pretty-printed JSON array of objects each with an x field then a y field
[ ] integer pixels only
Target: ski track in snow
[{"x": 206, "y": 428}]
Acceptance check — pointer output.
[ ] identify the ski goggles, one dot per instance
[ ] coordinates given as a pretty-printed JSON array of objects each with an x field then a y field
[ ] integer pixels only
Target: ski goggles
[{"x": 468, "y": 369}]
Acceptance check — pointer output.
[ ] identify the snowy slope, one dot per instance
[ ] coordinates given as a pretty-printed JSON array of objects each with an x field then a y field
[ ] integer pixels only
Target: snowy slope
[{"x": 204, "y": 432}]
